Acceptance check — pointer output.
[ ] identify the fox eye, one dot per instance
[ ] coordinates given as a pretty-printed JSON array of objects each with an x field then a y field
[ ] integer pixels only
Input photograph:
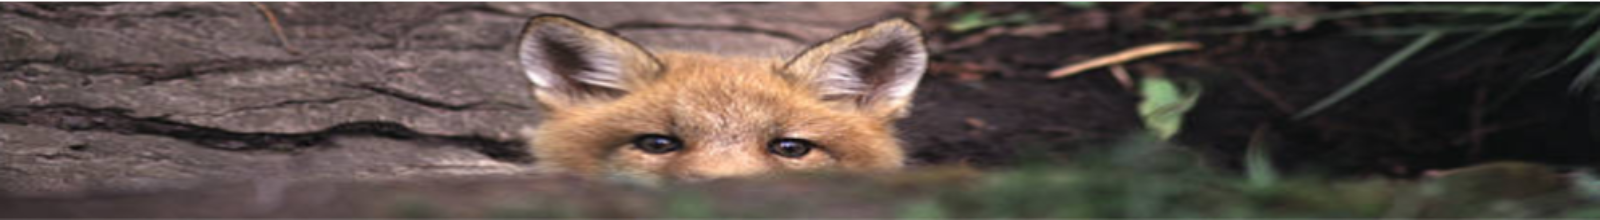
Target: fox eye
[
  {"x": 791, "y": 148},
  {"x": 657, "y": 144}
]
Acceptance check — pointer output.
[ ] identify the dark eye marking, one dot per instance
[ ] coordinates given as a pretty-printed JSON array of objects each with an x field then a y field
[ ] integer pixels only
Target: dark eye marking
[
  {"x": 789, "y": 147},
  {"x": 657, "y": 144}
]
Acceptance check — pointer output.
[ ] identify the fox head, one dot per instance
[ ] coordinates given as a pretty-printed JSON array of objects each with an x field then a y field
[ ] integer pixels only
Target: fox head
[{"x": 613, "y": 108}]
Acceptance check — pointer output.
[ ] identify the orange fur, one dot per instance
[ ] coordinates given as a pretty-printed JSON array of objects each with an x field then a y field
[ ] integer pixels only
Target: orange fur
[{"x": 724, "y": 109}]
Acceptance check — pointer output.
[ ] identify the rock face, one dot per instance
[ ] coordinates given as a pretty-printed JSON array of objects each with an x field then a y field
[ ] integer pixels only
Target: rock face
[{"x": 102, "y": 99}]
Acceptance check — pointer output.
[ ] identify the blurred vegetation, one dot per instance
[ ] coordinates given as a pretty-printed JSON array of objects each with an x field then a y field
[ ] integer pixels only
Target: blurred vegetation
[
  {"x": 1144, "y": 178},
  {"x": 1139, "y": 177}
]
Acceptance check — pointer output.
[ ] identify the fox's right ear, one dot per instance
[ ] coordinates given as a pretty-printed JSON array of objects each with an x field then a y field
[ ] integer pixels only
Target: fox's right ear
[
  {"x": 573, "y": 64},
  {"x": 873, "y": 69}
]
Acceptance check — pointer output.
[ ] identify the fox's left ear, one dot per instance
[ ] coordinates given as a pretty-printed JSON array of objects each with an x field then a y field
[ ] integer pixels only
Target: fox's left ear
[{"x": 873, "y": 69}]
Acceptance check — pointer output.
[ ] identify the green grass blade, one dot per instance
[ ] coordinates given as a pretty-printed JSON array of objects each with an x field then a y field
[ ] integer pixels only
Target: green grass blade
[
  {"x": 1456, "y": 29},
  {"x": 1520, "y": 20},
  {"x": 1585, "y": 79},
  {"x": 1269, "y": 23},
  {"x": 1584, "y": 48},
  {"x": 1589, "y": 44},
  {"x": 1371, "y": 74},
  {"x": 1488, "y": 9},
  {"x": 1590, "y": 18}
]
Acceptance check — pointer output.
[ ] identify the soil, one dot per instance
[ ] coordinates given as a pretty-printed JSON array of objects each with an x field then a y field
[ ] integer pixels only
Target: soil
[{"x": 1417, "y": 118}]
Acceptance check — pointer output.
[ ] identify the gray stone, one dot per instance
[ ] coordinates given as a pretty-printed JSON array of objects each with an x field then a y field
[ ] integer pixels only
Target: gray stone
[
  {"x": 20, "y": 43},
  {"x": 131, "y": 98}
]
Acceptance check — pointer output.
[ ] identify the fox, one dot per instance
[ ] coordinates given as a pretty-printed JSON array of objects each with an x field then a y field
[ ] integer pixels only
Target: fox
[{"x": 612, "y": 108}]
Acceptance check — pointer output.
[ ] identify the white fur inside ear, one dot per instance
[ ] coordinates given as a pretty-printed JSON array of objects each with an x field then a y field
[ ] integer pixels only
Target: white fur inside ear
[
  {"x": 843, "y": 73},
  {"x": 596, "y": 64}
]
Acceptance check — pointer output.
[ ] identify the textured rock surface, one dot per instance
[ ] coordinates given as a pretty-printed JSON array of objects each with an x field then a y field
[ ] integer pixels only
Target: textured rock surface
[{"x": 140, "y": 97}]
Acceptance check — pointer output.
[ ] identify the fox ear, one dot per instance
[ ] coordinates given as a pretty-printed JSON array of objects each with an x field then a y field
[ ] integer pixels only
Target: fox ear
[
  {"x": 572, "y": 63},
  {"x": 874, "y": 69}
]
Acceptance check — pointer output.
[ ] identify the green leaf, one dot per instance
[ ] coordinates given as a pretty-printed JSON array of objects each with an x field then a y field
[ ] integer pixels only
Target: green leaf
[
  {"x": 1258, "y": 164},
  {"x": 1079, "y": 5},
  {"x": 1019, "y": 18},
  {"x": 1371, "y": 74},
  {"x": 945, "y": 6},
  {"x": 1164, "y": 105},
  {"x": 977, "y": 20},
  {"x": 1255, "y": 8},
  {"x": 970, "y": 21}
]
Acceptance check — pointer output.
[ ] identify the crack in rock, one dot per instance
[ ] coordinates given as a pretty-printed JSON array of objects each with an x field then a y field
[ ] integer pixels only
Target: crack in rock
[
  {"x": 413, "y": 98},
  {"x": 288, "y": 103},
  {"x": 79, "y": 14},
  {"x": 78, "y": 118},
  {"x": 154, "y": 73}
]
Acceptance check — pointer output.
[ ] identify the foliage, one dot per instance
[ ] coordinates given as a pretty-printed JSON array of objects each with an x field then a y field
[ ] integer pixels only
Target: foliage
[
  {"x": 1372, "y": 74},
  {"x": 1165, "y": 103},
  {"x": 977, "y": 20},
  {"x": 1142, "y": 178},
  {"x": 1447, "y": 19},
  {"x": 1139, "y": 176}
]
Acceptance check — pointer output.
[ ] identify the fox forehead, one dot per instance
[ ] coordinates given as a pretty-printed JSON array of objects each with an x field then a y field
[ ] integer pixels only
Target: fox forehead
[{"x": 736, "y": 99}]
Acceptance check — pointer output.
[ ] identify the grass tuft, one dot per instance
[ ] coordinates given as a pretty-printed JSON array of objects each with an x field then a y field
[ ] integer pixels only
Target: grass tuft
[{"x": 1371, "y": 74}]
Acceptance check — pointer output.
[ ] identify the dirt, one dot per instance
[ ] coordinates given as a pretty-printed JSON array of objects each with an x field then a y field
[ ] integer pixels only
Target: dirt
[
  {"x": 138, "y": 107},
  {"x": 1416, "y": 119}
]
